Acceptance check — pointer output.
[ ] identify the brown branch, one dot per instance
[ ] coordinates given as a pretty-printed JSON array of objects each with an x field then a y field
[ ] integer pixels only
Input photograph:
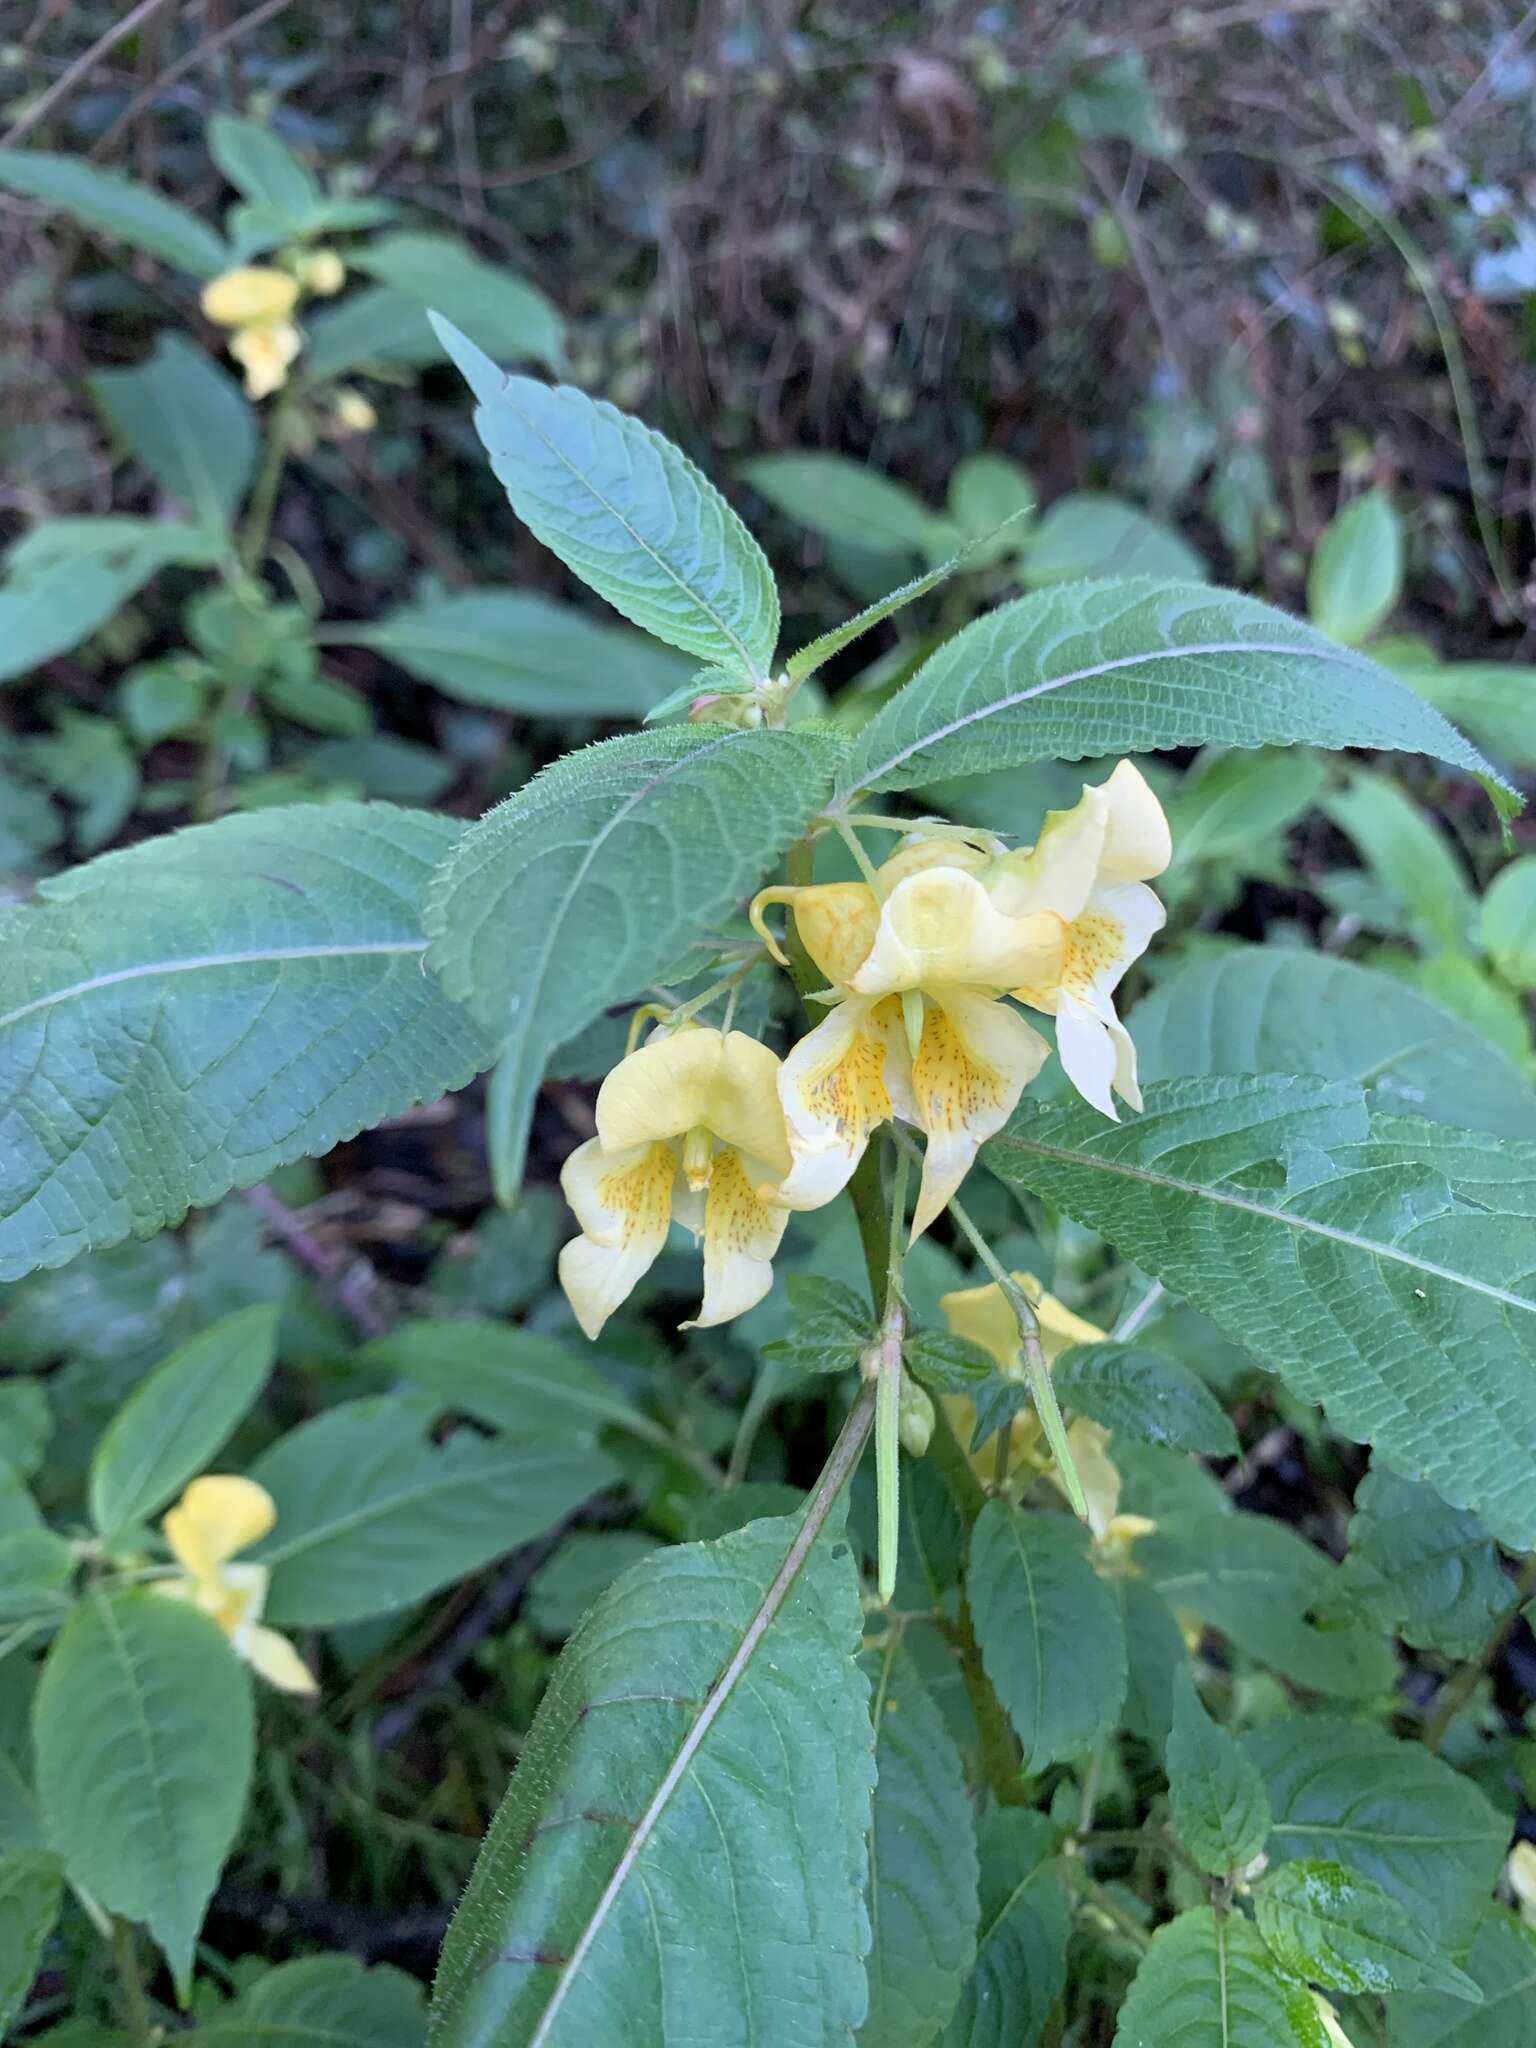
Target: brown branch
[
  {"x": 350, "y": 1282},
  {"x": 83, "y": 65},
  {"x": 189, "y": 61}
]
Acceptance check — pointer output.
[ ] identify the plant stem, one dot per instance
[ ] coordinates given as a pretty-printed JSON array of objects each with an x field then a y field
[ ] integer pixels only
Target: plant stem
[
  {"x": 125, "y": 1957},
  {"x": 1142, "y": 1839},
  {"x": 1105, "y": 1902},
  {"x": 1462, "y": 1683},
  {"x": 262, "y": 503}
]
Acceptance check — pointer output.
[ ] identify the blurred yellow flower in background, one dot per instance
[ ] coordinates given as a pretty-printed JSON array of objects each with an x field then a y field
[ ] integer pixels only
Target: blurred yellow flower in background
[
  {"x": 217, "y": 1516},
  {"x": 257, "y": 301}
]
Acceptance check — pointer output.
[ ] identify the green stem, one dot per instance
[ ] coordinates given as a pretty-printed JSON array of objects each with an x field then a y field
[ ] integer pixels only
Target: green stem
[
  {"x": 262, "y": 503},
  {"x": 1106, "y": 1903},
  {"x": 1462, "y": 1683},
  {"x": 125, "y": 1957},
  {"x": 1143, "y": 1839}
]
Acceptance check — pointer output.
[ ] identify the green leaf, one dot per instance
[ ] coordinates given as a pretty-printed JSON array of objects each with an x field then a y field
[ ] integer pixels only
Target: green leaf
[
  {"x": 593, "y": 879},
  {"x": 68, "y": 577},
  {"x": 1341, "y": 1930},
  {"x": 188, "y": 423},
  {"x": 1356, "y": 576},
  {"x": 1385, "y": 1267},
  {"x": 507, "y": 1378},
  {"x": 372, "y": 327},
  {"x": 1049, "y": 1631},
  {"x": 26, "y": 1424},
  {"x": 1284, "y": 1010},
  {"x": 1140, "y": 1393},
  {"x": 321, "y": 2002},
  {"x": 586, "y": 1564},
  {"x": 1502, "y": 1963},
  {"x": 1208, "y": 1982},
  {"x": 628, "y": 512},
  {"x": 923, "y": 1870},
  {"x": 30, "y": 1886},
  {"x": 265, "y": 171},
  {"x": 1155, "y": 1655},
  {"x": 816, "y": 653},
  {"x": 683, "y": 1842},
  {"x": 515, "y": 651},
  {"x": 174, "y": 1421},
  {"x": 1409, "y": 855},
  {"x": 1096, "y": 668},
  {"x": 1509, "y": 922},
  {"x": 144, "y": 1747},
  {"x": 182, "y": 1017},
  {"x": 1494, "y": 701},
  {"x": 1215, "y": 1793},
  {"x": 1089, "y": 534},
  {"x": 499, "y": 312},
  {"x": 1230, "y": 807},
  {"x": 1021, "y": 1945},
  {"x": 1420, "y": 1569},
  {"x": 843, "y": 500},
  {"x": 990, "y": 498},
  {"x": 115, "y": 205},
  {"x": 36, "y": 1568},
  {"x": 20, "y": 1827},
  {"x": 372, "y": 1515},
  {"x": 1347, "y": 1793}
]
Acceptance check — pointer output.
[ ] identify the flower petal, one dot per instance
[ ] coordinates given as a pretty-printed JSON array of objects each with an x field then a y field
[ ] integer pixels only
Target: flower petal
[
  {"x": 940, "y": 929},
  {"x": 1088, "y": 1054},
  {"x": 1117, "y": 925},
  {"x": 1058, "y": 871},
  {"x": 982, "y": 1315},
  {"x": 741, "y": 1235},
  {"x": 265, "y": 353},
  {"x": 836, "y": 922},
  {"x": 623, "y": 1202},
  {"x": 727, "y": 1083},
  {"x": 275, "y": 1659},
  {"x": 975, "y": 1060},
  {"x": 218, "y": 1515},
  {"x": 835, "y": 1089},
  {"x": 1137, "y": 844},
  {"x": 253, "y": 295},
  {"x": 1100, "y": 1476}
]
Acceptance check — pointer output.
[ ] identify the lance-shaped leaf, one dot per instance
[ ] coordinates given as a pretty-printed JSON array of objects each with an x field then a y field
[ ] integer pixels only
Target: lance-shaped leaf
[
  {"x": 598, "y": 876},
  {"x": 1140, "y": 1393},
  {"x": 1209, "y": 1982},
  {"x": 628, "y": 512},
  {"x": 1386, "y": 1267},
  {"x": 682, "y": 1850},
  {"x": 923, "y": 1870},
  {"x": 1215, "y": 1793},
  {"x": 1502, "y": 1964},
  {"x": 180, "y": 1018},
  {"x": 1421, "y": 1569},
  {"x": 186, "y": 420},
  {"x": 115, "y": 205},
  {"x": 1021, "y": 1942},
  {"x": 1099, "y": 668}
]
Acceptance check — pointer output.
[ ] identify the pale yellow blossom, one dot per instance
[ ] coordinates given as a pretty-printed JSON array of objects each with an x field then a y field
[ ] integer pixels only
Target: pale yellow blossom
[{"x": 217, "y": 1516}]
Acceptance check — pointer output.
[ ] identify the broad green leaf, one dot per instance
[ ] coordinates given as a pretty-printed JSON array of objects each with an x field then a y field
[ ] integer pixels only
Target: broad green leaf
[
  {"x": 30, "y": 1885},
  {"x": 990, "y": 499},
  {"x": 1097, "y": 668},
  {"x": 1347, "y": 1793},
  {"x": 264, "y": 170},
  {"x": 372, "y": 326},
  {"x": 516, "y": 651},
  {"x": 1356, "y": 575},
  {"x": 1154, "y": 1655},
  {"x": 1229, "y": 807},
  {"x": 175, "y": 1420},
  {"x": 372, "y": 1515},
  {"x": 1420, "y": 1569},
  {"x": 36, "y": 1568},
  {"x": 585, "y": 1565},
  {"x": 1339, "y": 1929},
  {"x": 1141, "y": 1393},
  {"x": 1457, "y": 983},
  {"x": 922, "y": 1857},
  {"x": 681, "y": 1854},
  {"x": 115, "y": 205},
  {"x": 1385, "y": 1267},
  {"x": 186, "y": 420},
  {"x": 321, "y": 2002},
  {"x": 1049, "y": 1631},
  {"x": 1215, "y": 1793},
  {"x": 844, "y": 500},
  {"x": 628, "y": 512},
  {"x": 1088, "y": 534},
  {"x": 20, "y": 1827},
  {"x": 68, "y": 577},
  {"x": 1021, "y": 1943},
  {"x": 1509, "y": 922},
  {"x": 500, "y": 312},
  {"x": 182, "y": 1017},
  {"x": 1494, "y": 701},
  {"x": 26, "y": 1423},
  {"x": 1209, "y": 1982},
  {"x": 597, "y": 876},
  {"x": 1285, "y": 1010},
  {"x": 1261, "y": 1584},
  {"x": 508, "y": 1378},
  {"x": 143, "y": 1731},
  {"x": 1409, "y": 856},
  {"x": 1502, "y": 1963}
]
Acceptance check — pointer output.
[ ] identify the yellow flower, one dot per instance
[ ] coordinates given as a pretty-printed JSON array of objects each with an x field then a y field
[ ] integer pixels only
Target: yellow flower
[
  {"x": 982, "y": 1315},
  {"x": 352, "y": 412},
  {"x": 255, "y": 295},
  {"x": 1520, "y": 1872},
  {"x": 687, "y": 1127},
  {"x": 920, "y": 1032},
  {"x": 1089, "y": 867},
  {"x": 217, "y": 1516},
  {"x": 257, "y": 302},
  {"x": 320, "y": 271}
]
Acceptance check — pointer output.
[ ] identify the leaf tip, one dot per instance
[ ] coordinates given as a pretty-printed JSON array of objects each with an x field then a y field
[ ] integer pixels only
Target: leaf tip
[{"x": 482, "y": 376}]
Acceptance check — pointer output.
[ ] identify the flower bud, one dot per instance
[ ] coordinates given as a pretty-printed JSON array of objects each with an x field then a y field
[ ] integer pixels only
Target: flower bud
[
  {"x": 320, "y": 271},
  {"x": 914, "y": 1418}
]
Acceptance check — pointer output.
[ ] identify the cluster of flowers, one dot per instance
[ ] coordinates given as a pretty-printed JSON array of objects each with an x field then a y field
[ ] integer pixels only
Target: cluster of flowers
[
  {"x": 257, "y": 302},
  {"x": 711, "y": 1129}
]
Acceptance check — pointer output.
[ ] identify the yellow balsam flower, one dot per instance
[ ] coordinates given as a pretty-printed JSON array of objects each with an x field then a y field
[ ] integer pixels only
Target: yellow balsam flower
[
  {"x": 687, "y": 1127},
  {"x": 1089, "y": 867},
  {"x": 919, "y": 1032},
  {"x": 217, "y": 1516},
  {"x": 982, "y": 1315},
  {"x": 257, "y": 302}
]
